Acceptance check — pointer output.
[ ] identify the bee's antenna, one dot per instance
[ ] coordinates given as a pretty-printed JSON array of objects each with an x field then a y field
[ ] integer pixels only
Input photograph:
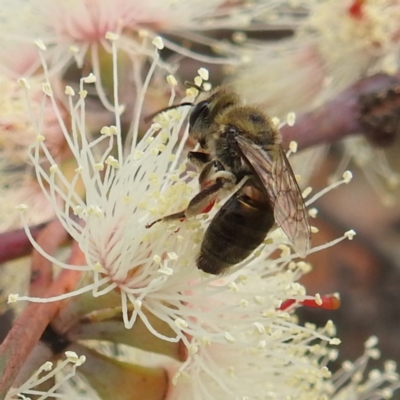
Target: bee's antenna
[
  {"x": 151, "y": 116},
  {"x": 187, "y": 84}
]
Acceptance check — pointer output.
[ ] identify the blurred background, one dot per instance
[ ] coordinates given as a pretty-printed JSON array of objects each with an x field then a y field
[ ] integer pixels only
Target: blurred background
[{"x": 292, "y": 56}]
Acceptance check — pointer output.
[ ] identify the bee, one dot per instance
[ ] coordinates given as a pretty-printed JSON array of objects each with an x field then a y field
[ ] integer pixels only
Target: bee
[{"x": 240, "y": 144}]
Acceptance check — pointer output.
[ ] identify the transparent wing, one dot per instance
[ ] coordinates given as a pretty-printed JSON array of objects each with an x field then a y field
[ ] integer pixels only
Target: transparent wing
[{"x": 273, "y": 169}]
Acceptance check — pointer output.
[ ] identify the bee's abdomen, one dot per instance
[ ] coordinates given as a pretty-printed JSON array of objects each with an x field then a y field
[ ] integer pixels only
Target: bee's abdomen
[{"x": 236, "y": 230}]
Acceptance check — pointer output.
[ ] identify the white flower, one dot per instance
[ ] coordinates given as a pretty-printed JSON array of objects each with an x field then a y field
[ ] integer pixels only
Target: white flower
[
  {"x": 351, "y": 382},
  {"x": 313, "y": 66},
  {"x": 17, "y": 184},
  {"x": 153, "y": 270},
  {"x": 45, "y": 373},
  {"x": 375, "y": 166},
  {"x": 335, "y": 43},
  {"x": 70, "y": 29},
  {"x": 299, "y": 374}
]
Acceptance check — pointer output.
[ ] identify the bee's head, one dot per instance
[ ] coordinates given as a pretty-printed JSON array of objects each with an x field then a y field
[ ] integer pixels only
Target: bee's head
[{"x": 203, "y": 116}]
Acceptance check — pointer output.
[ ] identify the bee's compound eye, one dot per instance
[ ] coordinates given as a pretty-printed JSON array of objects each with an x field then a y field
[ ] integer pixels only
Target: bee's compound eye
[
  {"x": 256, "y": 118},
  {"x": 199, "y": 111}
]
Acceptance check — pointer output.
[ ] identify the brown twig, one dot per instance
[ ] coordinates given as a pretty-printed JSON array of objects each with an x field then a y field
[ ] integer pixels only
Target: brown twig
[
  {"x": 338, "y": 118},
  {"x": 29, "y": 327}
]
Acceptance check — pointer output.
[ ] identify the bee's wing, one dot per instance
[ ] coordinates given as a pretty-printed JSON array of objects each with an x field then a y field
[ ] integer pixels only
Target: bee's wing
[{"x": 276, "y": 175}]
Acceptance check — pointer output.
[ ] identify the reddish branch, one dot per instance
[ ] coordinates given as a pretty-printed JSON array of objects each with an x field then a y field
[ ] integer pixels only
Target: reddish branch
[
  {"x": 338, "y": 118},
  {"x": 29, "y": 327},
  {"x": 15, "y": 244}
]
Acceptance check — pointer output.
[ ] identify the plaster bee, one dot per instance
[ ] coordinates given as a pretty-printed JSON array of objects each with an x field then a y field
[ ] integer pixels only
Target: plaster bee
[{"x": 239, "y": 143}]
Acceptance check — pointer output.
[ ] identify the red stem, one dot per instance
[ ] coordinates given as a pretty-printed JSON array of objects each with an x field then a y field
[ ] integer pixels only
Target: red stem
[
  {"x": 15, "y": 244},
  {"x": 337, "y": 118}
]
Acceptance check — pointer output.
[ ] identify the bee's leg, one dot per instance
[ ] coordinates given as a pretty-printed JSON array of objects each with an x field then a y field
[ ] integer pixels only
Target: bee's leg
[
  {"x": 205, "y": 199},
  {"x": 209, "y": 173},
  {"x": 178, "y": 215},
  {"x": 198, "y": 159}
]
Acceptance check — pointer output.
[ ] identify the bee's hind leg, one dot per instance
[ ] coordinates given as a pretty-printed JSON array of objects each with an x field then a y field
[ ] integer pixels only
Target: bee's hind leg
[
  {"x": 179, "y": 215},
  {"x": 205, "y": 199}
]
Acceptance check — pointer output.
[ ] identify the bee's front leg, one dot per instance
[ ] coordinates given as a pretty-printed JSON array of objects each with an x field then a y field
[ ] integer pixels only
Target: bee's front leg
[
  {"x": 198, "y": 158},
  {"x": 212, "y": 180}
]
